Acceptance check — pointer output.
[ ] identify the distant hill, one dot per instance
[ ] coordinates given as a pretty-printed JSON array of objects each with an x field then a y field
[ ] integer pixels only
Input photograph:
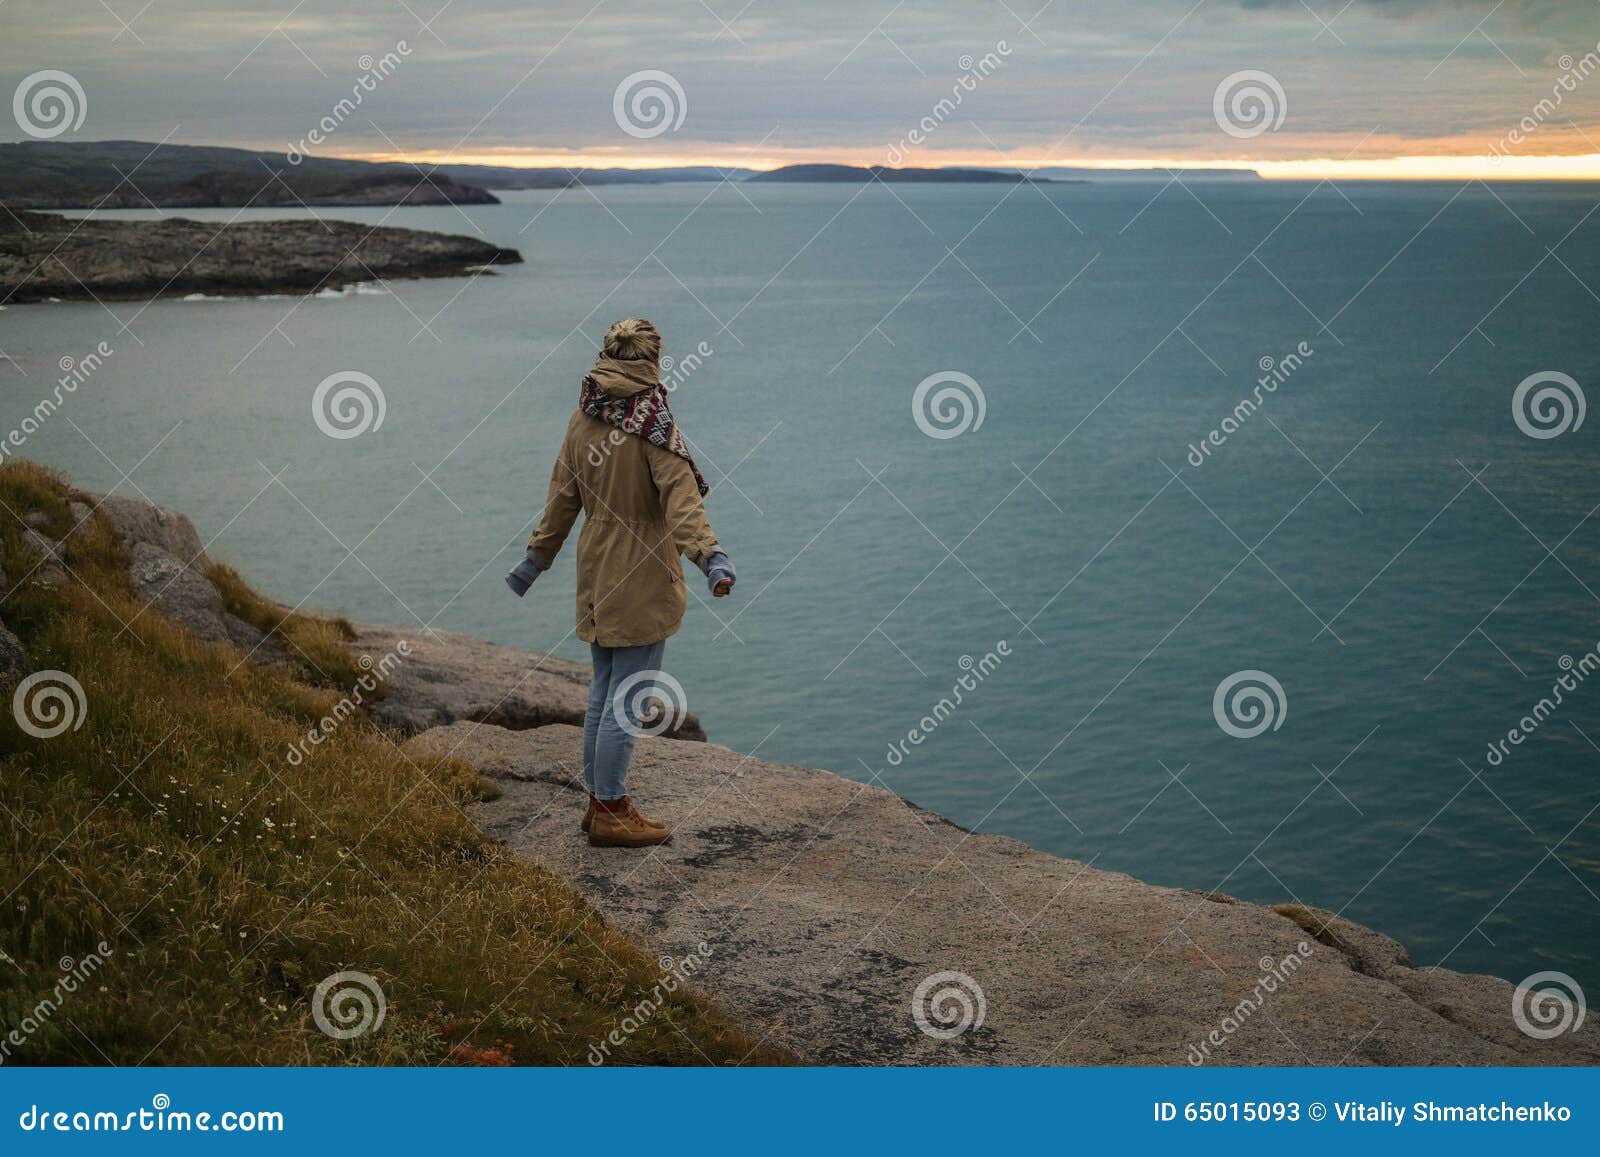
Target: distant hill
[
  {"x": 91, "y": 174},
  {"x": 1059, "y": 172},
  {"x": 508, "y": 177},
  {"x": 858, "y": 173}
]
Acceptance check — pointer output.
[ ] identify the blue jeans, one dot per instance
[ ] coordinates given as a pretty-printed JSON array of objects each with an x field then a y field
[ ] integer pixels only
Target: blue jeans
[{"x": 607, "y": 741}]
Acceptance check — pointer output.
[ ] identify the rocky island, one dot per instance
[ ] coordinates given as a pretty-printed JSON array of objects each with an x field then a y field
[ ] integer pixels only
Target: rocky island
[
  {"x": 44, "y": 256},
  {"x": 836, "y": 922}
]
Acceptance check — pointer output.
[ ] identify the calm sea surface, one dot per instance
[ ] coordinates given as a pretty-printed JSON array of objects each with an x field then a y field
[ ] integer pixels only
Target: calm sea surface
[{"x": 1378, "y": 534}]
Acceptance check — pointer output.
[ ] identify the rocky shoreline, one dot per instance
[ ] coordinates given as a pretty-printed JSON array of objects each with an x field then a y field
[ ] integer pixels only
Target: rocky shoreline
[
  {"x": 46, "y": 257},
  {"x": 845, "y": 925}
]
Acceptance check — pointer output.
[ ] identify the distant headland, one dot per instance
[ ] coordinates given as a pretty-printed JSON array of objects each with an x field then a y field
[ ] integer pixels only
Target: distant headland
[
  {"x": 145, "y": 175},
  {"x": 141, "y": 175},
  {"x": 858, "y": 173}
]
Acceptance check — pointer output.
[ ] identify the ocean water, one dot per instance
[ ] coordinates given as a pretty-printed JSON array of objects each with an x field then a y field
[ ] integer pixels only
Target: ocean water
[{"x": 1377, "y": 533}]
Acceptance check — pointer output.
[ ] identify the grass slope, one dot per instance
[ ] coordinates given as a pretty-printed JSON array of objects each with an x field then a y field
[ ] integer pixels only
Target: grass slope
[{"x": 227, "y": 882}]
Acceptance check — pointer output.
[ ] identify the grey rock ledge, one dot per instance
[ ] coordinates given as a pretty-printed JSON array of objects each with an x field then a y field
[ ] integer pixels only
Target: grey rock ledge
[{"x": 826, "y": 903}]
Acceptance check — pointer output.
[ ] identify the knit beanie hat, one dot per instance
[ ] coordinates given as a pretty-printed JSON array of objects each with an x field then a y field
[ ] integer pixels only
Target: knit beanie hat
[{"x": 633, "y": 339}]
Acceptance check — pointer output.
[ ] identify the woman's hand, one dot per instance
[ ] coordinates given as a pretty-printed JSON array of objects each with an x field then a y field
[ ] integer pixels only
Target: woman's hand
[
  {"x": 718, "y": 568},
  {"x": 522, "y": 576}
]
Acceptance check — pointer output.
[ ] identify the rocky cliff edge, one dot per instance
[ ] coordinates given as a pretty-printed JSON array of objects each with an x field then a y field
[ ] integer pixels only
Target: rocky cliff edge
[{"x": 846, "y": 925}]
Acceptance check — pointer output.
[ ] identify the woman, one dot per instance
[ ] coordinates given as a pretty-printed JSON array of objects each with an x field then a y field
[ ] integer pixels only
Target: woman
[{"x": 626, "y": 466}]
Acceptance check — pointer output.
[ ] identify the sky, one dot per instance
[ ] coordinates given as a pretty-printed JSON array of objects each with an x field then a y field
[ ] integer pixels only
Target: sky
[{"x": 1291, "y": 87}]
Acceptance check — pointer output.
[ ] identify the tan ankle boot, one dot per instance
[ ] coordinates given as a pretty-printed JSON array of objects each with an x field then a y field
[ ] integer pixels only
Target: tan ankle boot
[
  {"x": 588, "y": 813},
  {"x": 617, "y": 824}
]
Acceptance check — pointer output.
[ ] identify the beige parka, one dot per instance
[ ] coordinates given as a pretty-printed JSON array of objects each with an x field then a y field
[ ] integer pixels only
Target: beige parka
[{"x": 642, "y": 509}]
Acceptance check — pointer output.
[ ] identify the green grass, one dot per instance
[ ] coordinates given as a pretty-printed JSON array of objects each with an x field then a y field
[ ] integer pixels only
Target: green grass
[
  {"x": 227, "y": 881},
  {"x": 315, "y": 643}
]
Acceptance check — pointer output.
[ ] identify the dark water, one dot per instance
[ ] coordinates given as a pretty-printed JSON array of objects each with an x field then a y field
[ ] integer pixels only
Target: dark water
[{"x": 1377, "y": 535}]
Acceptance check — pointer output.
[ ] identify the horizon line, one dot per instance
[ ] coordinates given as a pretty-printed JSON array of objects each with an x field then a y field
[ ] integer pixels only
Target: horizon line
[
  {"x": 1438, "y": 166},
  {"x": 1493, "y": 165}
]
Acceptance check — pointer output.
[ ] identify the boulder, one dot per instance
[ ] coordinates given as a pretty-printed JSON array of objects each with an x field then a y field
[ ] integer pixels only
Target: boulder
[
  {"x": 82, "y": 517},
  {"x": 13, "y": 658},
  {"x": 246, "y": 636},
  {"x": 1482, "y": 1003},
  {"x": 177, "y": 592},
  {"x": 832, "y": 909},
  {"x": 167, "y": 566},
  {"x": 139, "y": 521},
  {"x": 41, "y": 545},
  {"x": 49, "y": 556}
]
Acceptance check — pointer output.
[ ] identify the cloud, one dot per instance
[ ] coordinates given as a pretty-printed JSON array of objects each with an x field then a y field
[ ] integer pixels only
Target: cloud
[
  {"x": 1096, "y": 78},
  {"x": 1527, "y": 11}
]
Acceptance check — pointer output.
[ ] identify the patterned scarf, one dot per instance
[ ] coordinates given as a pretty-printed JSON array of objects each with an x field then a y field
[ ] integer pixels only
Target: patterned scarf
[{"x": 644, "y": 415}]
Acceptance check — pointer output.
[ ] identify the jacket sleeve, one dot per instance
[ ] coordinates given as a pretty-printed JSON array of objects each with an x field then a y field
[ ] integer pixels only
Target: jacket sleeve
[
  {"x": 681, "y": 503},
  {"x": 561, "y": 507}
]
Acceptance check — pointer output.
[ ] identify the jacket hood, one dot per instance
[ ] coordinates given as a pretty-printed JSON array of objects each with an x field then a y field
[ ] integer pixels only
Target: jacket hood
[{"x": 625, "y": 377}]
